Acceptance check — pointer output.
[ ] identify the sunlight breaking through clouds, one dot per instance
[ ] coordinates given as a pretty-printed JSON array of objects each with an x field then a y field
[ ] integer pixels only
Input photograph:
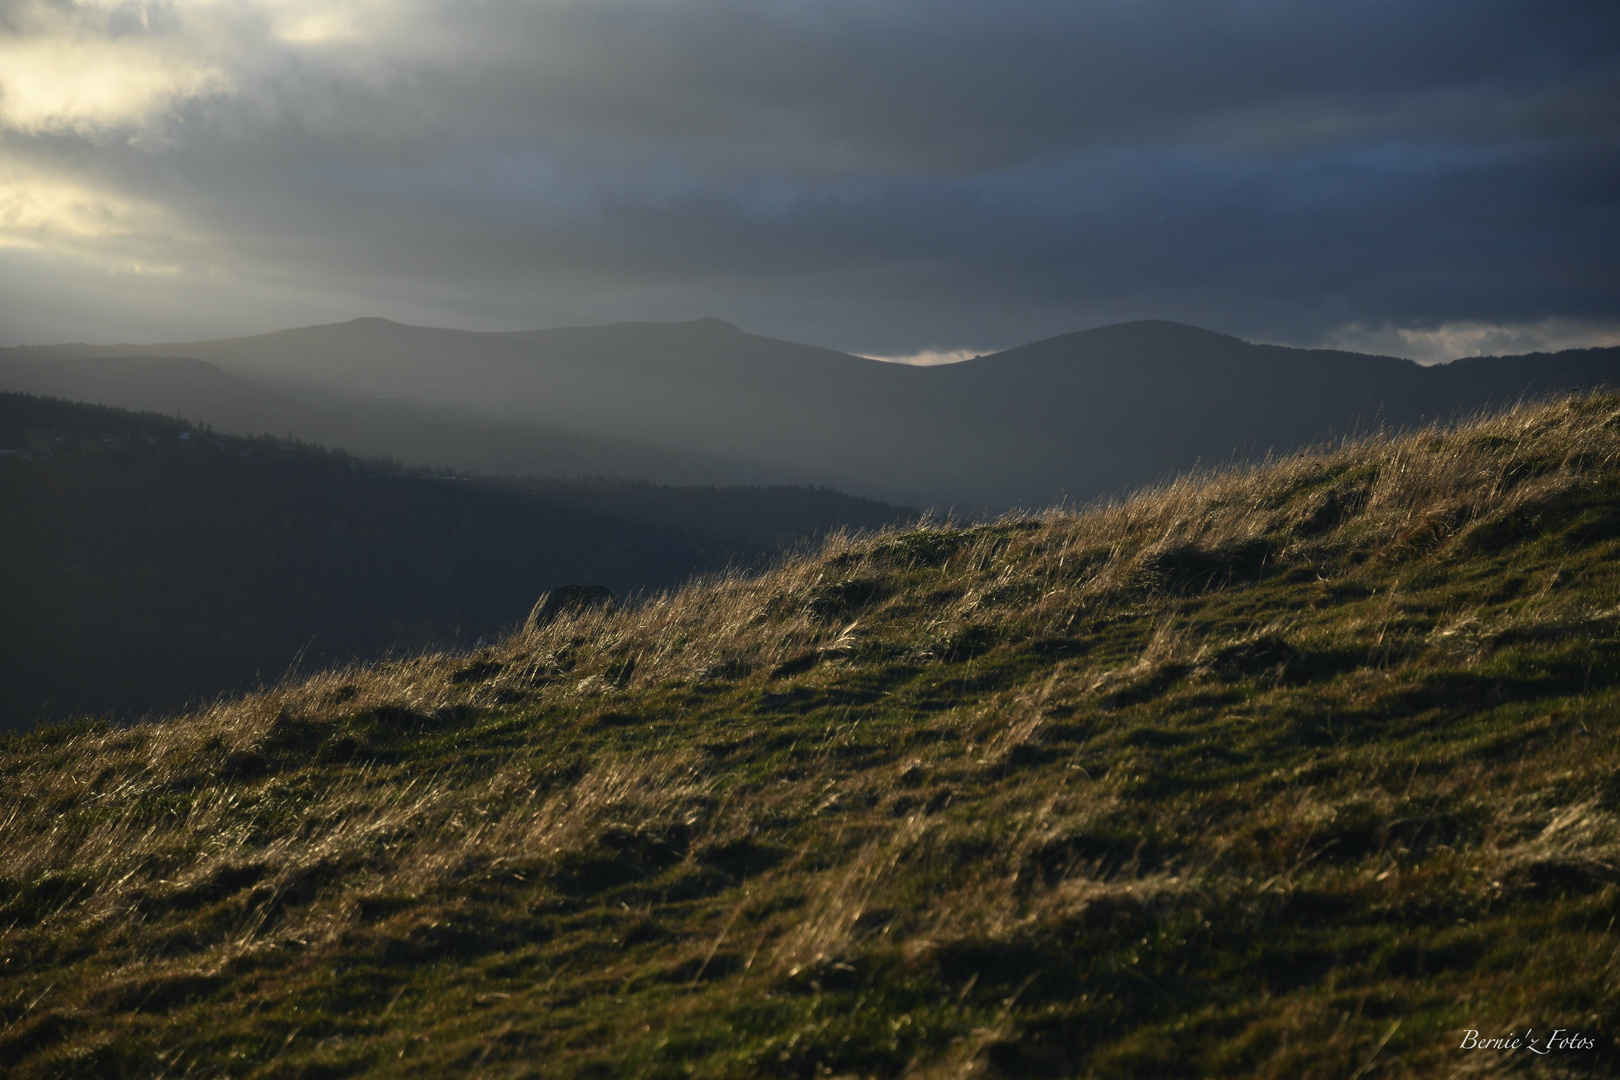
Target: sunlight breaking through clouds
[
  {"x": 824, "y": 172},
  {"x": 35, "y": 210},
  {"x": 1455, "y": 340},
  {"x": 78, "y": 85},
  {"x": 96, "y": 65},
  {"x": 933, "y": 357},
  {"x": 323, "y": 23},
  {"x": 108, "y": 230}
]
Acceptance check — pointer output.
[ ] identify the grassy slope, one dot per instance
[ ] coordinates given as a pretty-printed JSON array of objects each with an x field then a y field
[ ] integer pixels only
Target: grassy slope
[{"x": 1290, "y": 773}]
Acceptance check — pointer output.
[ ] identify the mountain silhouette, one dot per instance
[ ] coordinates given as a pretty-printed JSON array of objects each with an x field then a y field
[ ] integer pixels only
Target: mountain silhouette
[{"x": 1086, "y": 414}]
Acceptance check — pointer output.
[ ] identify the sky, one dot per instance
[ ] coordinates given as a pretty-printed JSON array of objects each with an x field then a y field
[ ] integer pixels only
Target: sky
[{"x": 927, "y": 180}]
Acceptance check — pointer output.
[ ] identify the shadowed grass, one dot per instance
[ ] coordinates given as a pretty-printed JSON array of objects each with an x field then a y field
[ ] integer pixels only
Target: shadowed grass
[{"x": 1293, "y": 772}]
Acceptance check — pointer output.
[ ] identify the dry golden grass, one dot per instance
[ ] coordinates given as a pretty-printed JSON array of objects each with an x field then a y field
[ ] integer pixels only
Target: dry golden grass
[{"x": 1295, "y": 771}]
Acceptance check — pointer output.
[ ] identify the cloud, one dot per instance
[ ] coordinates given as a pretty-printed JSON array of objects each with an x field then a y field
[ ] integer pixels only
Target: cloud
[
  {"x": 84, "y": 87},
  {"x": 932, "y": 357},
  {"x": 876, "y": 177},
  {"x": 88, "y": 67},
  {"x": 1454, "y": 340},
  {"x": 105, "y": 230}
]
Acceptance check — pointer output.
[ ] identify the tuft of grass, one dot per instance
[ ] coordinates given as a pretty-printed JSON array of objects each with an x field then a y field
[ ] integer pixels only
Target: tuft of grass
[{"x": 1297, "y": 771}]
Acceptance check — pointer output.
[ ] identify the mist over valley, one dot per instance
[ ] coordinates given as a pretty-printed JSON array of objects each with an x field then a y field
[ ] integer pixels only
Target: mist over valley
[{"x": 1089, "y": 414}]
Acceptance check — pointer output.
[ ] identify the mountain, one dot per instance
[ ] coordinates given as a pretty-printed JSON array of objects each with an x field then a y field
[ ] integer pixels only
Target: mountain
[
  {"x": 189, "y": 563},
  {"x": 1102, "y": 411},
  {"x": 1093, "y": 413},
  {"x": 1307, "y": 770},
  {"x": 369, "y": 426}
]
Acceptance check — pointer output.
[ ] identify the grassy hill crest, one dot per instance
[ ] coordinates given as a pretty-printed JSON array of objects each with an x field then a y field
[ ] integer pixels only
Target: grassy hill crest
[{"x": 1299, "y": 771}]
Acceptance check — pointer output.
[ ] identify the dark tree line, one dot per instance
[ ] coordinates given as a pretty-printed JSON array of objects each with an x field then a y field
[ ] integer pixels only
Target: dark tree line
[{"x": 145, "y": 563}]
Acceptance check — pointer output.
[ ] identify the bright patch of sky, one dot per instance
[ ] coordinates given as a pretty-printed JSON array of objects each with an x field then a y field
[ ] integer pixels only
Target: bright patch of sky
[
  {"x": 932, "y": 357},
  {"x": 1421, "y": 177},
  {"x": 1452, "y": 341}
]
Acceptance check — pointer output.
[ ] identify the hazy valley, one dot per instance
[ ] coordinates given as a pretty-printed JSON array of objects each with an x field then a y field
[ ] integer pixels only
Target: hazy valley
[
  {"x": 1094, "y": 413},
  {"x": 192, "y": 562}
]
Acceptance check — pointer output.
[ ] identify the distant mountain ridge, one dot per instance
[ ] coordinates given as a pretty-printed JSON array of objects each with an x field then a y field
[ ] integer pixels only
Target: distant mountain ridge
[
  {"x": 1096, "y": 412},
  {"x": 374, "y": 426}
]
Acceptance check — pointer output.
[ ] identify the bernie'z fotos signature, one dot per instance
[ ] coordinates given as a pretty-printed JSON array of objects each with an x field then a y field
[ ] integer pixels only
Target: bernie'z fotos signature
[{"x": 1560, "y": 1039}]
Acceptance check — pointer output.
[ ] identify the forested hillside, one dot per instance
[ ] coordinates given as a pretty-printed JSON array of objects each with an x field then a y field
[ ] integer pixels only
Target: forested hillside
[{"x": 146, "y": 563}]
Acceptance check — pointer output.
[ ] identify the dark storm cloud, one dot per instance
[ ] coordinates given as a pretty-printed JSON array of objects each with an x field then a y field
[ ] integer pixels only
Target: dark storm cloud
[{"x": 878, "y": 177}]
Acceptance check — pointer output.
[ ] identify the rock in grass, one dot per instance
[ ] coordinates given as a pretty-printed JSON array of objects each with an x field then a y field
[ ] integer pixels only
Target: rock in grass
[{"x": 565, "y": 598}]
